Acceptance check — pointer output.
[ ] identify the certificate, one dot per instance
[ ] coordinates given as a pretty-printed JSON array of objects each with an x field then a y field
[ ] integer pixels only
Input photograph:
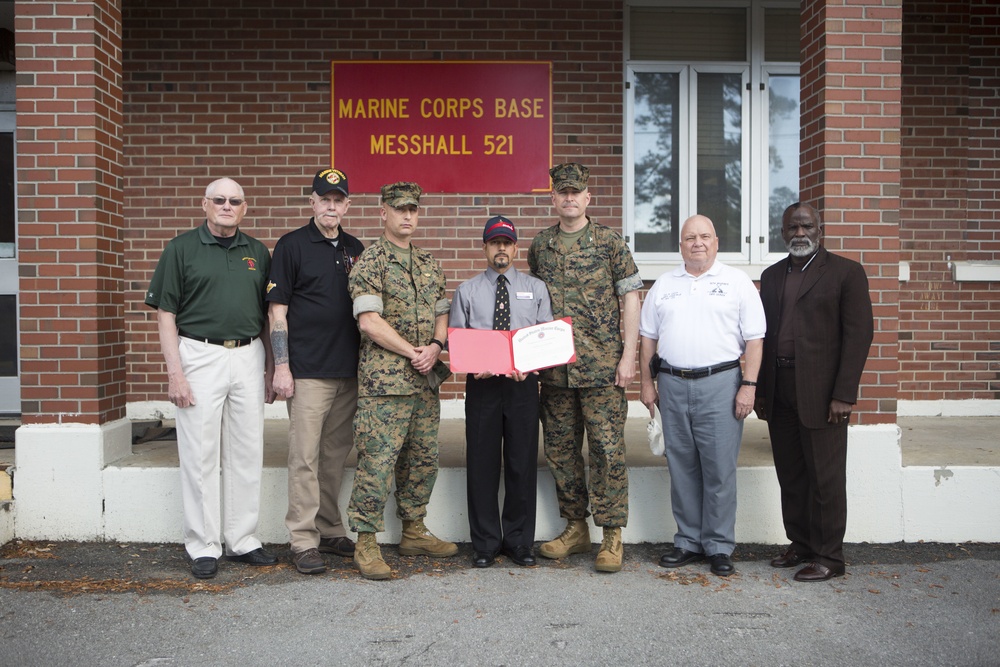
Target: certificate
[{"x": 502, "y": 352}]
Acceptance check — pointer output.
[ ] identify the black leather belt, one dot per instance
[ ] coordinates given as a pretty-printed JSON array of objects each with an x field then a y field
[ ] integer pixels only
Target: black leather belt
[
  {"x": 696, "y": 373},
  {"x": 785, "y": 362},
  {"x": 237, "y": 342}
]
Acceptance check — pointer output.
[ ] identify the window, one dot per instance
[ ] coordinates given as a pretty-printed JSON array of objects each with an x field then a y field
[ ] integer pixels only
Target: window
[{"x": 712, "y": 126}]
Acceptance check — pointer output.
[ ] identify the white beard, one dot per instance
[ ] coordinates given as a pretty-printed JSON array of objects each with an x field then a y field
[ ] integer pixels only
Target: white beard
[{"x": 802, "y": 250}]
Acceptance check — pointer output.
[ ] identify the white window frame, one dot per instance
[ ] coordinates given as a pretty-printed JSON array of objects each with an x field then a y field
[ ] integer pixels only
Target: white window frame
[{"x": 754, "y": 254}]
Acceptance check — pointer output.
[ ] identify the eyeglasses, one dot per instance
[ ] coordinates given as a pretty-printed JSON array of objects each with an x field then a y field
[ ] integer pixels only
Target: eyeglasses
[{"x": 221, "y": 201}]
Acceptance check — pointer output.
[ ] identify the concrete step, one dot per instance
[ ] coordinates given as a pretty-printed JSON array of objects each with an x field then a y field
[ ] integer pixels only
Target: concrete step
[{"x": 934, "y": 479}]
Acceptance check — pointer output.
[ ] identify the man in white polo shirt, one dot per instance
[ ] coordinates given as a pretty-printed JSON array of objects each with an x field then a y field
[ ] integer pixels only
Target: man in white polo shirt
[{"x": 696, "y": 323}]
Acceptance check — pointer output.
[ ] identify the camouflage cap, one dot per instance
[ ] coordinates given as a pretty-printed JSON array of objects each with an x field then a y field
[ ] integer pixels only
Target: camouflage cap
[
  {"x": 569, "y": 175},
  {"x": 401, "y": 194}
]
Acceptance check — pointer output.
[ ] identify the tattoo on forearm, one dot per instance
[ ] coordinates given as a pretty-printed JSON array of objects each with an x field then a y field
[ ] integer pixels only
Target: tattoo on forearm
[{"x": 279, "y": 344}]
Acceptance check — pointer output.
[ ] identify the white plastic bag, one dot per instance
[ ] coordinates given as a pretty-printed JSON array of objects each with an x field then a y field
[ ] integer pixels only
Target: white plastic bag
[{"x": 654, "y": 431}]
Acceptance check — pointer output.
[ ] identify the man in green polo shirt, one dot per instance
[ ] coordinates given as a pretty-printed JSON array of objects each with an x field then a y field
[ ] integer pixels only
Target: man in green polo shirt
[{"x": 208, "y": 290}]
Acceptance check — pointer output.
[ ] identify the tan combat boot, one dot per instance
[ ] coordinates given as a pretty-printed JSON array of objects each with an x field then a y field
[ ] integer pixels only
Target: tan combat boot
[
  {"x": 609, "y": 558},
  {"x": 368, "y": 558},
  {"x": 574, "y": 540},
  {"x": 418, "y": 541}
]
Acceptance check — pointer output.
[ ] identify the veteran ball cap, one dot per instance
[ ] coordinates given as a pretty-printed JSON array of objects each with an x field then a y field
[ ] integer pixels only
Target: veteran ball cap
[
  {"x": 329, "y": 180},
  {"x": 569, "y": 175},
  {"x": 499, "y": 226},
  {"x": 401, "y": 194}
]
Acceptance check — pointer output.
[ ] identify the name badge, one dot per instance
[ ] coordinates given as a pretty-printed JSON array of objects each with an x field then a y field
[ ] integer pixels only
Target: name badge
[{"x": 525, "y": 295}]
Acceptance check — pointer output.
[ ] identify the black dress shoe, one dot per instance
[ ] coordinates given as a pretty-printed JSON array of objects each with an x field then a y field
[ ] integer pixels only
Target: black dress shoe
[
  {"x": 790, "y": 558},
  {"x": 256, "y": 557},
  {"x": 721, "y": 565},
  {"x": 521, "y": 555},
  {"x": 483, "y": 559},
  {"x": 205, "y": 567},
  {"x": 678, "y": 557},
  {"x": 818, "y": 572}
]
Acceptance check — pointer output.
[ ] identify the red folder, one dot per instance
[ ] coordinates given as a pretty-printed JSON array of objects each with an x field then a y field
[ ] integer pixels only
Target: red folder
[{"x": 481, "y": 350}]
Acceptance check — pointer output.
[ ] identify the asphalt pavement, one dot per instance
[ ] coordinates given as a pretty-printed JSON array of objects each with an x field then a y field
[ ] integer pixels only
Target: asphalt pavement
[{"x": 136, "y": 604}]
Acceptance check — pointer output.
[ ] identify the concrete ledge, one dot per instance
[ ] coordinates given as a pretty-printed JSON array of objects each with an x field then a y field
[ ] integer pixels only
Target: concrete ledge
[
  {"x": 927, "y": 479},
  {"x": 951, "y": 504},
  {"x": 60, "y": 491},
  {"x": 143, "y": 500}
]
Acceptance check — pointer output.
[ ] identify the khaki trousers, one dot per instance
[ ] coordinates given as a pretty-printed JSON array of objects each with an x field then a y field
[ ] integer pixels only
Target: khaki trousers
[{"x": 320, "y": 437}]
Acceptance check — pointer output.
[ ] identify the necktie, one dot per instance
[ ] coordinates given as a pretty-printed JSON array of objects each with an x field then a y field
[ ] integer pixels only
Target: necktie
[{"x": 501, "y": 313}]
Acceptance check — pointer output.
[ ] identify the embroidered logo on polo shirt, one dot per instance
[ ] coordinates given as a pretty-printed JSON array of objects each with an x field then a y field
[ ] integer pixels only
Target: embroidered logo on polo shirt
[
  {"x": 251, "y": 263},
  {"x": 270, "y": 284},
  {"x": 718, "y": 289}
]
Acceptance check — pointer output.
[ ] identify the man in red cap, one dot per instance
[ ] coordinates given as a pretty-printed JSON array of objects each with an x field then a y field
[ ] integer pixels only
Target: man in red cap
[{"x": 501, "y": 412}]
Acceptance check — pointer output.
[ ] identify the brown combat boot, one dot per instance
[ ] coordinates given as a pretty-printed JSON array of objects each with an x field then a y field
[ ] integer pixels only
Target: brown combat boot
[
  {"x": 609, "y": 558},
  {"x": 368, "y": 558},
  {"x": 418, "y": 541},
  {"x": 574, "y": 540}
]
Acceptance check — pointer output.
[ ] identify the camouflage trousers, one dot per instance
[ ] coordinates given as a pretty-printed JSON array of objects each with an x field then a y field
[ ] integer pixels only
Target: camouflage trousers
[
  {"x": 395, "y": 436},
  {"x": 601, "y": 411}
]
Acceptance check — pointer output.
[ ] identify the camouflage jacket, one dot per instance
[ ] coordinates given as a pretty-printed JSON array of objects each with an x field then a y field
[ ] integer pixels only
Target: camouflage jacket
[
  {"x": 408, "y": 300},
  {"x": 585, "y": 284}
]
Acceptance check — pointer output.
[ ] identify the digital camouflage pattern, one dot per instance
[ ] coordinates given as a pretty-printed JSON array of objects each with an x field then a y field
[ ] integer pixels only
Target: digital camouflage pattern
[
  {"x": 410, "y": 303},
  {"x": 569, "y": 175},
  {"x": 396, "y": 436},
  {"x": 585, "y": 284},
  {"x": 401, "y": 194},
  {"x": 565, "y": 413}
]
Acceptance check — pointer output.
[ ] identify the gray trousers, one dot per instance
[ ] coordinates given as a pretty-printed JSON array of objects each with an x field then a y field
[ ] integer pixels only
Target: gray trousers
[{"x": 702, "y": 437}]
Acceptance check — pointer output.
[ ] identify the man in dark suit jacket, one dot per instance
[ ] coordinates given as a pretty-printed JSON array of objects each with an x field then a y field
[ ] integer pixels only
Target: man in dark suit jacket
[{"x": 819, "y": 329}]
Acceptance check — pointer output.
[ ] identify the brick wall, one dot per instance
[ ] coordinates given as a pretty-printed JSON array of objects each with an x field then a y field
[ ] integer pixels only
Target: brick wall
[
  {"x": 949, "y": 346},
  {"x": 69, "y": 230},
  {"x": 243, "y": 91},
  {"x": 851, "y": 106}
]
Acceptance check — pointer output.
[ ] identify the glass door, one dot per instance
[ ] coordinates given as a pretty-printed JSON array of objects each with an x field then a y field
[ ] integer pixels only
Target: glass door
[{"x": 10, "y": 386}]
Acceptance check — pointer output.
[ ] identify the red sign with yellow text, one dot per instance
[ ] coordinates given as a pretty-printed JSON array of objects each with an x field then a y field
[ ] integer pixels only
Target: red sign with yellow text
[{"x": 449, "y": 126}]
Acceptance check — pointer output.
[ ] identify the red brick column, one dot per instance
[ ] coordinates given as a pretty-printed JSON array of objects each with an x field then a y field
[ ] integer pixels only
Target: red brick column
[
  {"x": 850, "y": 161},
  {"x": 69, "y": 126}
]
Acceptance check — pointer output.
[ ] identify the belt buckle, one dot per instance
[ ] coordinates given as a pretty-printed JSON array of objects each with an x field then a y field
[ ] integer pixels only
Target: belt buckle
[
  {"x": 685, "y": 374},
  {"x": 229, "y": 344}
]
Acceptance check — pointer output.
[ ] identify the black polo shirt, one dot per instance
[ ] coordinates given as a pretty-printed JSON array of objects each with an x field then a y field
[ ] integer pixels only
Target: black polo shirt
[{"x": 309, "y": 275}]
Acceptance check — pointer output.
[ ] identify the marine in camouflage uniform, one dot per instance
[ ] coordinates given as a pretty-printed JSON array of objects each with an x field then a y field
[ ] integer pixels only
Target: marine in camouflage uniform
[
  {"x": 399, "y": 301},
  {"x": 587, "y": 267}
]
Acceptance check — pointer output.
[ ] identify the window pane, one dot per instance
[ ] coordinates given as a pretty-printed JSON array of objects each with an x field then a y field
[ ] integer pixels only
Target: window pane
[
  {"x": 7, "y": 221},
  {"x": 781, "y": 35},
  {"x": 783, "y": 152},
  {"x": 8, "y": 335},
  {"x": 720, "y": 155},
  {"x": 657, "y": 177},
  {"x": 685, "y": 33}
]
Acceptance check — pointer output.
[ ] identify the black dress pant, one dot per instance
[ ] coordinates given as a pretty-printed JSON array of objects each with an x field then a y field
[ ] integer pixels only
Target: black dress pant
[
  {"x": 811, "y": 465},
  {"x": 501, "y": 424}
]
